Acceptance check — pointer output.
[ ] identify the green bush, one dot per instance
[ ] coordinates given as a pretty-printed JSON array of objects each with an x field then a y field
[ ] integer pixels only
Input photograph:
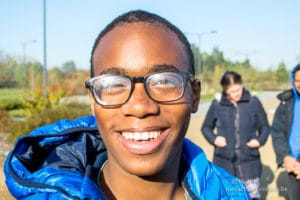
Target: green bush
[
  {"x": 11, "y": 104},
  {"x": 47, "y": 116},
  {"x": 35, "y": 101},
  {"x": 10, "y": 99}
]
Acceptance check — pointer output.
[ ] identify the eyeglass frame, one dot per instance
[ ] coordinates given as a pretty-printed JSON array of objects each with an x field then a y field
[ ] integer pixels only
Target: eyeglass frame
[{"x": 186, "y": 76}]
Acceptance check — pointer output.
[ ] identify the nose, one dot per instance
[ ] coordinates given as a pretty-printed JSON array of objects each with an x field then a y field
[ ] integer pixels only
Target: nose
[{"x": 140, "y": 105}]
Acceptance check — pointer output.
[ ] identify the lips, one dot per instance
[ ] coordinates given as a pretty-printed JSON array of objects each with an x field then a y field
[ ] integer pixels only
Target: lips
[{"x": 143, "y": 142}]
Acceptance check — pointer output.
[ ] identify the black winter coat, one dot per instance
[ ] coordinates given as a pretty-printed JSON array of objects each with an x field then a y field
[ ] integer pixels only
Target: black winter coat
[
  {"x": 281, "y": 126},
  {"x": 238, "y": 124}
]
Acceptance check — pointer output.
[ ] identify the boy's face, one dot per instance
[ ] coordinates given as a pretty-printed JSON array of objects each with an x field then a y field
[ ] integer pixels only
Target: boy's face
[{"x": 134, "y": 50}]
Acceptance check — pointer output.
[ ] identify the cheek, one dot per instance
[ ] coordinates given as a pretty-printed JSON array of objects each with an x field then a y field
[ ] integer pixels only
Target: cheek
[
  {"x": 238, "y": 96},
  {"x": 106, "y": 122},
  {"x": 104, "y": 115},
  {"x": 179, "y": 117},
  {"x": 179, "y": 114}
]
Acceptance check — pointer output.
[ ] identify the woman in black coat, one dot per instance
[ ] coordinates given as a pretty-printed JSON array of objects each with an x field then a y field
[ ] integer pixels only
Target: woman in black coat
[{"x": 242, "y": 127}]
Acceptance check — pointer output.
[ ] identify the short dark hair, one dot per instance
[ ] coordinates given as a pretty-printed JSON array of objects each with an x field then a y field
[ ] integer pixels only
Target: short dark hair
[
  {"x": 144, "y": 16},
  {"x": 230, "y": 78}
]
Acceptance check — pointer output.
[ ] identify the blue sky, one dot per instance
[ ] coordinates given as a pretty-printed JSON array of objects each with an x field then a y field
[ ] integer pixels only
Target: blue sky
[{"x": 265, "y": 31}]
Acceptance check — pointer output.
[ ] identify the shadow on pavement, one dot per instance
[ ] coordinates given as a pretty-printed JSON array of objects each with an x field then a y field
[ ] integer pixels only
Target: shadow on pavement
[
  {"x": 266, "y": 179},
  {"x": 282, "y": 184}
]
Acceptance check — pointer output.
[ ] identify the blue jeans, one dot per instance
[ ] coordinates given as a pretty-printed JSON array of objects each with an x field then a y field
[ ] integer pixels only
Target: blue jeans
[{"x": 253, "y": 186}]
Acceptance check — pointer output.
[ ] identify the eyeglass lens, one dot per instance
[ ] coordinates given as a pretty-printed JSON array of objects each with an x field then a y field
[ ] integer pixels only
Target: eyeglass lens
[{"x": 116, "y": 89}]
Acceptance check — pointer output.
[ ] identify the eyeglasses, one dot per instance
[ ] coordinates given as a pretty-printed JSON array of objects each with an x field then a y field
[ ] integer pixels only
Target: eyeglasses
[{"x": 115, "y": 90}]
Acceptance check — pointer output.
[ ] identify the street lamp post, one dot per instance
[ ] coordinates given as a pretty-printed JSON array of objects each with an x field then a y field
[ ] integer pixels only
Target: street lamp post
[{"x": 199, "y": 36}]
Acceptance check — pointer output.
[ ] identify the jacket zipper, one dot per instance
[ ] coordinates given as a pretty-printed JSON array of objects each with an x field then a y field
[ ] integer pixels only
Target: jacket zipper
[{"x": 238, "y": 142}]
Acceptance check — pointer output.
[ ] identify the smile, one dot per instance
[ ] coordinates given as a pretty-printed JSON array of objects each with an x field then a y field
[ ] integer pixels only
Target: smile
[
  {"x": 140, "y": 136},
  {"x": 143, "y": 141}
]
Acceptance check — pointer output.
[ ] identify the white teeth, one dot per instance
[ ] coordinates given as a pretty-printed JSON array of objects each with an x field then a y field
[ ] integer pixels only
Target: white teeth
[{"x": 141, "y": 135}]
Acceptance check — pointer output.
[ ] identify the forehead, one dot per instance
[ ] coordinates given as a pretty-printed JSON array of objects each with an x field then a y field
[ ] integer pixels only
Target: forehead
[
  {"x": 297, "y": 75},
  {"x": 137, "y": 47},
  {"x": 233, "y": 87}
]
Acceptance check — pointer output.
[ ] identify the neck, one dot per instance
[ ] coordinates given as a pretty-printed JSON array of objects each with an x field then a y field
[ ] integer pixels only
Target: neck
[{"x": 124, "y": 185}]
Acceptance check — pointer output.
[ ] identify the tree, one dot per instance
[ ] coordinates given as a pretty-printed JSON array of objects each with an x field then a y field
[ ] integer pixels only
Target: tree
[
  {"x": 34, "y": 71},
  {"x": 197, "y": 58},
  {"x": 216, "y": 58},
  {"x": 7, "y": 71},
  {"x": 55, "y": 76},
  {"x": 69, "y": 67},
  {"x": 29, "y": 75},
  {"x": 281, "y": 73}
]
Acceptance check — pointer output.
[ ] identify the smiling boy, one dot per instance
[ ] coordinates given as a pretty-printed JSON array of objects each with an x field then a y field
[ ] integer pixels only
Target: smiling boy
[{"x": 142, "y": 93}]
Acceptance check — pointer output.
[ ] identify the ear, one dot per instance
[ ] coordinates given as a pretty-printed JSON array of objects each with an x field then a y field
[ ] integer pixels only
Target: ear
[
  {"x": 196, "y": 95},
  {"x": 92, "y": 102}
]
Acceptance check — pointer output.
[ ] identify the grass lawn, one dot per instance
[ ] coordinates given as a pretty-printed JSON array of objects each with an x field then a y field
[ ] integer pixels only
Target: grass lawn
[
  {"x": 11, "y": 100},
  {"x": 207, "y": 97},
  {"x": 11, "y": 94}
]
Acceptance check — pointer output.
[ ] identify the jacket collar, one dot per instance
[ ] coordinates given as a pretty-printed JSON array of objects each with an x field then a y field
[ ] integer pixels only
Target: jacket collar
[
  {"x": 197, "y": 171},
  {"x": 245, "y": 98},
  {"x": 285, "y": 95}
]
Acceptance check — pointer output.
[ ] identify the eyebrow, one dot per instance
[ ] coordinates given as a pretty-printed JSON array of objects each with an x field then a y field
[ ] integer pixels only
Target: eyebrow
[
  {"x": 113, "y": 70},
  {"x": 155, "y": 68},
  {"x": 164, "y": 68}
]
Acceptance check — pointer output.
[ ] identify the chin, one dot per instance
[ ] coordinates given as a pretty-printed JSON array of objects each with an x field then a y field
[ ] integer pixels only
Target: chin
[
  {"x": 149, "y": 171},
  {"x": 144, "y": 168},
  {"x": 236, "y": 99}
]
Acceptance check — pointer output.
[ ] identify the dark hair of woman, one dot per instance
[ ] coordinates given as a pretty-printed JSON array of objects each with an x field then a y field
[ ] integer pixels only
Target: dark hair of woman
[{"x": 230, "y": 78}]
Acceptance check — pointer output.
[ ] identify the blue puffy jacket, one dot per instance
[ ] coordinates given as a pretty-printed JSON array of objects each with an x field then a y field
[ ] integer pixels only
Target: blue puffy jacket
[{"x": 62, "y": 160}]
